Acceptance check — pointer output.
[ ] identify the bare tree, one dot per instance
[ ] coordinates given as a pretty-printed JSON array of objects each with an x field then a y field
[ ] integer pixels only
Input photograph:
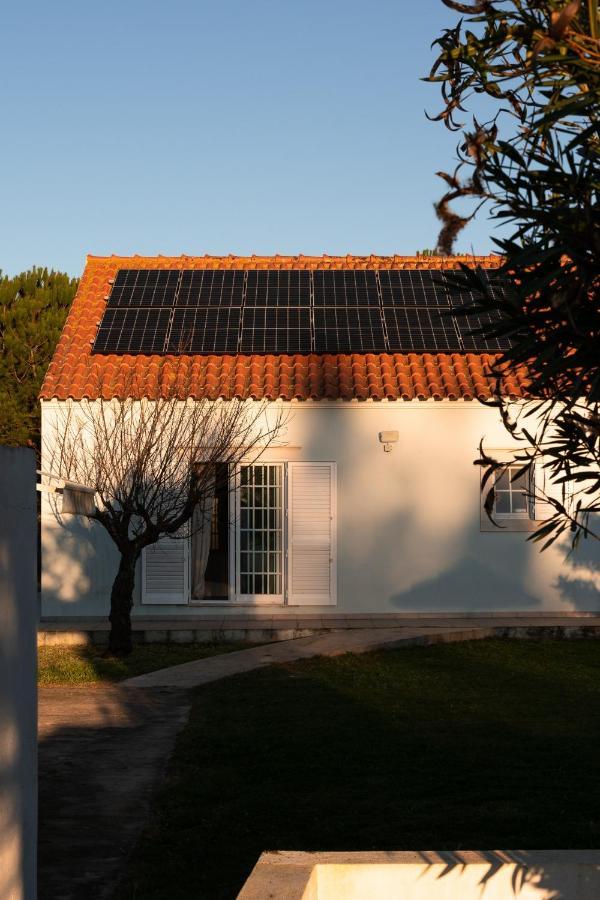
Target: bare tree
[{"x": 150, "y": 464}]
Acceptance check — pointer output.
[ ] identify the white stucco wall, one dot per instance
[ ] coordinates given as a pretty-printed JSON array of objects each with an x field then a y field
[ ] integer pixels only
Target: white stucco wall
[
  {"x": 409, "y": 535},
  {"x": 18, "y": 691}
]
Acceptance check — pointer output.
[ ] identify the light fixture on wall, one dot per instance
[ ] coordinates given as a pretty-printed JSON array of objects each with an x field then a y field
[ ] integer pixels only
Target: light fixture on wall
[{"x": 387, "y": 438}]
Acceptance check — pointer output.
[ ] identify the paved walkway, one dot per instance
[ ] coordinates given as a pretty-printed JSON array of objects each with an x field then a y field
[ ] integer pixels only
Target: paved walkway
[
  {"x": 102, "y": 752},
  {"x": 335, "y": 643}
]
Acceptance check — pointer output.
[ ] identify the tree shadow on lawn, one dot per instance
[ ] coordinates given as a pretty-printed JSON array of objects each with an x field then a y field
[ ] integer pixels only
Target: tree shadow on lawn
[
  {"x": 101, "y": 751},
  {"x": 483, "y": 745}
]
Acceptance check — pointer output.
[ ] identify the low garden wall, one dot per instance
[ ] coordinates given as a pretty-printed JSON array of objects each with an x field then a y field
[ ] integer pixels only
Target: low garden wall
[{"x": 426, "y": 875}]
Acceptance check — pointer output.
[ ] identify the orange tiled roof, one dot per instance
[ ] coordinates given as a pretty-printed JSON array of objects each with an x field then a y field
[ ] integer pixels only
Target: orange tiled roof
[{"x": 75, "y": 373}]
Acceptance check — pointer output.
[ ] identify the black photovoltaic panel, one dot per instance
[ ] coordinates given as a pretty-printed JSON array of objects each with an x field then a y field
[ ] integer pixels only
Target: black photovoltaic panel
[
  {"x": 140, "y": 330},
  {"x": 469, "y": 327},
  {"x": 144, "y": 287},
  {"x": 419, "y": 329},
  {"x": 211, "y": 287},
  {"x": 275, "y": 317},
  {"x": 349, "y": 330},
  {"x": 464, "y": 296},
  {"x": 345, "y": 287},
  {"x": 264, "y": 340},
  {"x": 291, "y": 311},
  {"x": 413, "y": 287},
  {"x": 459, "y": 296},
  {"x": 275, "y": 329},
  {"x": 204, "y": 329},
  {"x": 468, "y": 323},
  {"x": 278, "y": 287}
]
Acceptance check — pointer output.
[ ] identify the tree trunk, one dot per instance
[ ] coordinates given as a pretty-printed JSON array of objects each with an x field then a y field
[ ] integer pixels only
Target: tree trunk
[{"x": 121, "y": 601}]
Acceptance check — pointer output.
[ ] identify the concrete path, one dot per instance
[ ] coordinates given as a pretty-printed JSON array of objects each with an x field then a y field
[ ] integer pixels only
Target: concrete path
[
  {"x": 335, "y": 643},
  {"x": 102, "y": 751}
]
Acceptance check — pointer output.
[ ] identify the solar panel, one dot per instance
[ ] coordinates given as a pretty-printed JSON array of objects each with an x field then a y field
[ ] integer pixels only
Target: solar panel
[
  {"x": 417, "y": 329},
  {"x": 211, "y": 287},
  {"x": 133, "y": 331},
  {"x": 293, "y": 311},
  {"x": 278, "y": 287},
  {"x": 413, "y": 287},
  {"x": 204, "y": 329},
  {"x": 144, "y": 287},
  {"x": 275, "y": 329},
  {"x": 470, "y": 327},
  {"x": 349, "y": 330},
  {"x": 345, "y": 287}
]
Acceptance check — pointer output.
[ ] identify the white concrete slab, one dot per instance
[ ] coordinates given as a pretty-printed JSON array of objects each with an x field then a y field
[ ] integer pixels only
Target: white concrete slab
[{"x": 426, "y": 875}]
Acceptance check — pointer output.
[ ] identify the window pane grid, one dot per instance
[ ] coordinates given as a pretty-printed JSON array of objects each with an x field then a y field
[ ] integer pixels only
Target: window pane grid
[
  {"x": 261, "y": 534},
  {"x": 511, "y": 496}
]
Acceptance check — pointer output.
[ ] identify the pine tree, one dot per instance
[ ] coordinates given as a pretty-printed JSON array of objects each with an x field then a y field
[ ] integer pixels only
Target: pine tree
[{"x": 33, "y": 309}]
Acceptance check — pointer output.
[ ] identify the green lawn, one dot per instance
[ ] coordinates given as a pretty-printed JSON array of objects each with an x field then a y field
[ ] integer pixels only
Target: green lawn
[
  {"x": 85, "y": 665},
  {"x": 479, "y": 745}
]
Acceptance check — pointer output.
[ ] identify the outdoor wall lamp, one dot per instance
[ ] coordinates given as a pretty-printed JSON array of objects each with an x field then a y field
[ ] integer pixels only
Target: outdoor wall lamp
[{"x": 387, "y": 438}]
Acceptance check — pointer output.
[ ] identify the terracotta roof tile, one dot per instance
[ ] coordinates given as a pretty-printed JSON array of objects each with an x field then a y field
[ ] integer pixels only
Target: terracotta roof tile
[{"x": 75, "y": 373}]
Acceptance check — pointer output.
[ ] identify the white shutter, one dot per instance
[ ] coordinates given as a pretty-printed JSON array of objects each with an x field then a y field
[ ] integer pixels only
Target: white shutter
[
  {"x": 543, "y": 484},
  {"x": 165, "y": 572},
  {"x": 311, "y": 534}
]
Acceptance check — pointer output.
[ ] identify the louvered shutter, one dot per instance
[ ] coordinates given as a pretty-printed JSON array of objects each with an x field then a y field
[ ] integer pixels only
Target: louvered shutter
[
  {"x": 311, "y": 534},
  {"x": 165, "y": 572},
  {"x": 543, "y": 484}
]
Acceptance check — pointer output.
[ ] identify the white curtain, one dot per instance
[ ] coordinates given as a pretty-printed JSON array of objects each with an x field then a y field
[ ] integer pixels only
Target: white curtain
[{"x": 201, "y": 534}]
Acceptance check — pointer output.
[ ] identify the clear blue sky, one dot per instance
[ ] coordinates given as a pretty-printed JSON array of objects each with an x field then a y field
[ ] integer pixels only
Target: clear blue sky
[{"x": 192, "y": 127}]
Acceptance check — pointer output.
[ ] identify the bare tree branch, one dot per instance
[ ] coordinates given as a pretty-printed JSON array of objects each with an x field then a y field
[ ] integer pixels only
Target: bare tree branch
[{"x": 150, "y": 463}]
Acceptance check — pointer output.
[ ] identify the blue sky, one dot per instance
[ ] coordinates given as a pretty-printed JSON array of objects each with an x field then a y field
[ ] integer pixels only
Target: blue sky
[{"x": 197, "y": 127}]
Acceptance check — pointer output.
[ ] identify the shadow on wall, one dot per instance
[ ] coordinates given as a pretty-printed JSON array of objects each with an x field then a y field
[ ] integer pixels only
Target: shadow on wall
[
  {"x": 523, "y": 873},
  {"x": 582, "y": 589},
  {"x": 409, "y": 541},
  {"x": 425, "y": 875},
  {"x": 79, "y": 563},
  {"x": 480, "y": 587}
]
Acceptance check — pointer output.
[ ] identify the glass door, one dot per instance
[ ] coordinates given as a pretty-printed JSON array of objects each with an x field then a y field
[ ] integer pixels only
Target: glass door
[{"x": 260, "y": 559}]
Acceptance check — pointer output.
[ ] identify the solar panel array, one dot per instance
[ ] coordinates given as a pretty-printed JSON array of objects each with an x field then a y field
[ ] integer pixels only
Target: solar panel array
[{"x": 292, "y": 311}]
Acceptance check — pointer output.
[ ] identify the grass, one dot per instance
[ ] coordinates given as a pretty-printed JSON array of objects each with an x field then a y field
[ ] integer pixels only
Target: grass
[
  {"x": 480, "y": 745},
  {"x": 86, "y": 665}
]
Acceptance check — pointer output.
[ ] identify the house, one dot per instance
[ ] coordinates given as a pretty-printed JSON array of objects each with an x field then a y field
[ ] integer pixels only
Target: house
[{"x": 374, "y": 503}]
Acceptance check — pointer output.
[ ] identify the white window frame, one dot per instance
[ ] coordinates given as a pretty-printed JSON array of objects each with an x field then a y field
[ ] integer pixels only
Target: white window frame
[
  {"x": 512, "y": 489},
  {"x": 259, "y": 599},
  {"x": 508, "y": 522},
  {"x": 235, "y": 597}
]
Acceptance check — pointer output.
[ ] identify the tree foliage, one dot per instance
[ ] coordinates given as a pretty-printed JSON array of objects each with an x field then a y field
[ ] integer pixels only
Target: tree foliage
[
  {"x": 33, "y": 309},
  {"x": 534, "y": 161}
]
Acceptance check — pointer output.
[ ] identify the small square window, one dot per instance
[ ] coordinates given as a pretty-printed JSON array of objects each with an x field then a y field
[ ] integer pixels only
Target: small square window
[{"x": 511, "y": 491}]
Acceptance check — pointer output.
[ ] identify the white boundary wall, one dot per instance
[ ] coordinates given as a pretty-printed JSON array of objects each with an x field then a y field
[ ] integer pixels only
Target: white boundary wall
[{"x": 18, "y": 692}]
